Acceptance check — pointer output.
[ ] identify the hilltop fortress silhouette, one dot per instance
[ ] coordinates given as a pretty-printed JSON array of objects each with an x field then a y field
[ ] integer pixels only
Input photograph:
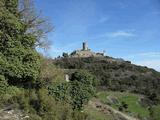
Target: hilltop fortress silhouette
[{"x": 85, "y": 52}]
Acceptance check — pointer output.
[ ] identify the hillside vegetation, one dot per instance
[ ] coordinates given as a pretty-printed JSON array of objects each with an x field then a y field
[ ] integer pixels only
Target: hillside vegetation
[
  {"x": 117, "y": 75},
  {"x": 31, "y": 87},
  {"x": 126, "y": 102},
  {"x": 138, "y": 88}
]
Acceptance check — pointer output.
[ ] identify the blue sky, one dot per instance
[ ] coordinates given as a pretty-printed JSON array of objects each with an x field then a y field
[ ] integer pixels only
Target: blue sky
[{"x": 128, "y": 29}]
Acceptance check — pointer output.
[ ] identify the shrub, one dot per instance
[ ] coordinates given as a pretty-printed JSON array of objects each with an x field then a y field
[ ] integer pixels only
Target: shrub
[
  {"x": 3, "y": 85},
  {"x": 154, "y": 112},
  {"x": 77, "y": 92},
  {"x": 60, "y": 92},
  {"x": 82, "y": 88},
  {"x": 49, "y": 74}
]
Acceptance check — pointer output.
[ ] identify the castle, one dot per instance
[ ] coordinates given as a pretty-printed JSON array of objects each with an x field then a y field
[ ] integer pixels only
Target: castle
[{"x": 85, "y": 52}]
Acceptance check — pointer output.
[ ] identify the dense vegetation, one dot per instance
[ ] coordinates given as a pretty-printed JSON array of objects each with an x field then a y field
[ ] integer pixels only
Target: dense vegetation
[
  {"x": 19, "y": 61},
  {"x": 27, "y": 80},
  {"x": 35, "y": 86},
  {"x": 77, "y": 92},
  {"x": 117, "y": 75}
]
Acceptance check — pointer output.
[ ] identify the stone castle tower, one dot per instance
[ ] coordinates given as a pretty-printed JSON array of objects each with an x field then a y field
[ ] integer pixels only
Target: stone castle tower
[
  {"x": 85, "y": 47},
  {"x": 85, "y": 52}
]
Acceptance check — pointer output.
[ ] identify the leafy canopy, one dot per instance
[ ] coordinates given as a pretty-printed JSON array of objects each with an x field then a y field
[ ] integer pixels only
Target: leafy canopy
[{"x": 19, "y": 61}]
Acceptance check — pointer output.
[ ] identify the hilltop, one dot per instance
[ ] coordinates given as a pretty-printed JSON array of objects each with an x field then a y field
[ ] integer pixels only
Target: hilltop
[
  {"x": 116, "y": 74},
  {"x": 84, "y": 52},
  {"x": 135, "y": 89},
  {"x": 97, "y": 87}
]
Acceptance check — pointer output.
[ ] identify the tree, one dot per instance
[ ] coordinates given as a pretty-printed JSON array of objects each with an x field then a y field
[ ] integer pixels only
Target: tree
[
  {"x": 19, "y": 61},
  {"x": 154, "y": 112},
  {"x": 84, "y": 77},
  {"x": 49, "y": 74},
  {"x": 35, "y": 24},
  {"x": 124, "y": 105},
  {"x": 82, "y": 88},
  {"x": 65, "y": 54},
  {"x": 3, "y": 85},
  {"x": 154, "y": 97},
  {"x": 77, "y": 92}
]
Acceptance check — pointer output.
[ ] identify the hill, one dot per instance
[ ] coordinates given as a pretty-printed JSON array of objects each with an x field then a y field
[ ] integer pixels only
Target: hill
[{"x": 116, "y": 74}]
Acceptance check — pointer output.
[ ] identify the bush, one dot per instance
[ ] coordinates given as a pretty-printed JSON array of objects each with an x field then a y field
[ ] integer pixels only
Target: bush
[
  {"x": 60, "y": 92},
  {"x": 50, "y": 75},
  {"x": 49, "y": 109},
  {"x": 41, "y": 106},
  {"x": 124, "y": 105},
  {"x": 7, "y": 93},
  {"x": 3, "y": 85},
  {"x": 80, "y": 116},
  {"x": 154, "y": 112},
  {"x": 77, "y": 92},
  {"x": 82, "y": 88}
]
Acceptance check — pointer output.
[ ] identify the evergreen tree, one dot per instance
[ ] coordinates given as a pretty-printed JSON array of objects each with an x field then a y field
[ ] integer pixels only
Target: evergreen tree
[
  {"x": 19, "y": 61},
  {"x": 82, "y": 88}
]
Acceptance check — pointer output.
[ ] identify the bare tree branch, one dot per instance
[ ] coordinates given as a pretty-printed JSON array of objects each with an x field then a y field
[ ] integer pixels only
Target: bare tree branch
[{"x": 35, "y": 23}]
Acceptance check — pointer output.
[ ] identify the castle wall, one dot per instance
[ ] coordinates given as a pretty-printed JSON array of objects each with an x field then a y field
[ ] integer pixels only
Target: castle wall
[{"x": 85, "y": 52}]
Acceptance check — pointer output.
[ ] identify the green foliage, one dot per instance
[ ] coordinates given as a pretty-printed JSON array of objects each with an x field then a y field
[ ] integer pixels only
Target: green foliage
[
  {"x": 61, "y": 92},
  {"x": 65, "y": 54},
  {"x": 77, "y": 92},
  {"x": 6, "y": 91},
  {"x": 24, "y": 77},
  {"x": 19, "y": 61},
  {"x": 116, "y": 75},
  {"x": 154, "y": 97},
  {"x": 39, "y": 105},
  {"x": 80, "y": 116},
  {"x": 84, "y": 77},
  {"x": 124, "y": 105},
  {"x": 125, "y": 102},
  {"x": 49, "y": 109},
  {"x": 80, "y": 94},
  {"x": 50, "y": 75},
  {"x": 82, "y": 89},
  {"x": 96, "y": 114},
  {"x": 154, "y": 112},
  {"x": 3, "y": 85},
  {"x": 10, "y": 92},
  {"x": 11, "y": 5}
]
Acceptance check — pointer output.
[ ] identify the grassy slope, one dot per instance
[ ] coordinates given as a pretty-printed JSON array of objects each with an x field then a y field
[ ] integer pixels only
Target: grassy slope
[
  {"x": 156, "y": 114},
  {"x": 96, "y": 114},
  {"x": 134, "y": 107}
]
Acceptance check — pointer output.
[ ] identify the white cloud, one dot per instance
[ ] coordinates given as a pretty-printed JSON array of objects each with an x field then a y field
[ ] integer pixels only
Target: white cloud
[
  {"x": 115, "y": 34},
  {"x": 121, "y": 33},
  {"x": 150, "y": 63}
]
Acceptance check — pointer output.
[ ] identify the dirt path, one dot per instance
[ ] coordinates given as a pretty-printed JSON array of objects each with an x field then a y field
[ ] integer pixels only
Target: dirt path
[{"x": 105, "y": 108}]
